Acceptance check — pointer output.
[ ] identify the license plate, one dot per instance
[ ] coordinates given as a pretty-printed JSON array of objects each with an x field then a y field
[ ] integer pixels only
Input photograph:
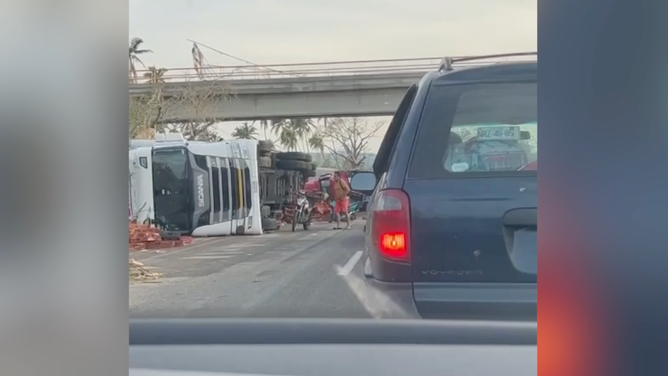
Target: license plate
[{"x": 499, "y": 133}]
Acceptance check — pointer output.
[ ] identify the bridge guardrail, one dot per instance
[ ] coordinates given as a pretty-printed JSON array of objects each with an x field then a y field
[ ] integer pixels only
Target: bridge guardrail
[{"x": 324, "y": 69}]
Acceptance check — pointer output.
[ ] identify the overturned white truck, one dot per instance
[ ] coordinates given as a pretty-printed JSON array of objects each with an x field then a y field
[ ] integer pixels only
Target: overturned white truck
[{"x": 199, "y": 188}]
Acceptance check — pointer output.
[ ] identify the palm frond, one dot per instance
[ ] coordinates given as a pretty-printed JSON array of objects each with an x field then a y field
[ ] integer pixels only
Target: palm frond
[
  {"x": 137, "y": 59},
  {"x": 135, "y": 42}
]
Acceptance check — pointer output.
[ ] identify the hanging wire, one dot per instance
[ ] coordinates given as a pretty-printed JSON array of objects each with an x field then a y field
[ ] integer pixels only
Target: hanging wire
[{"x": 195, "y": 44}]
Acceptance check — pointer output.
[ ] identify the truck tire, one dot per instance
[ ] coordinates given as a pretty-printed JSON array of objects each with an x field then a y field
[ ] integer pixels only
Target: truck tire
[
  {"x": 294, "y": 156},
  {"x": 313, "y": 166},
  {"x": 265, "y": 146},
  {"x": 264, "y": 162},
  {"x": 292, "y": 165}
]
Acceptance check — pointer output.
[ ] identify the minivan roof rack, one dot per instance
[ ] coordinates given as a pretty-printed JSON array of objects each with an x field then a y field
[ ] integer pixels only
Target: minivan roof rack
[{"x": 448, "y": 62}]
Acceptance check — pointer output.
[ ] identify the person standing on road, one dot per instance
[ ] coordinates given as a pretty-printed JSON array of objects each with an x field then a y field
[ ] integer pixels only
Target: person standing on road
[{"x": 341, "y": 191}]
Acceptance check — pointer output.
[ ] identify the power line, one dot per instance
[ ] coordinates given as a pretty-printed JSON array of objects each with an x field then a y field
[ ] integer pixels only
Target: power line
[
  {"x": 236, "y": 58},
  {"x": 222, "y": 53}
]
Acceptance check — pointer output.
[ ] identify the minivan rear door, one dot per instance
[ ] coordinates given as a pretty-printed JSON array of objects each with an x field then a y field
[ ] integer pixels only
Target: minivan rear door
[{"x": 473, "y": 219}]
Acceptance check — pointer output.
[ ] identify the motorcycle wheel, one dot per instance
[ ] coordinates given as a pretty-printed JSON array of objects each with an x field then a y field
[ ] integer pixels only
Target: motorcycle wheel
[
  {"x": 307, "y": 223},
  {"x": 295, "y": 219}
]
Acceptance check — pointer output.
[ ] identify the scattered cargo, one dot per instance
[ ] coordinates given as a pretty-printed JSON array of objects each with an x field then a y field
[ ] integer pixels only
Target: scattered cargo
[{"x": 142, "y": 237}]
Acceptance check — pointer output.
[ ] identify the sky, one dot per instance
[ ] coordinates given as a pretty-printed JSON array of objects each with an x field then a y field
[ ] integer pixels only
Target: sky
[{"x": 300, "y": 31}]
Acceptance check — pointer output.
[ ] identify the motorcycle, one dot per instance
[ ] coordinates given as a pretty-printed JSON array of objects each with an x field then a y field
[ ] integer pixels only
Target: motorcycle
[{"x": 302, "y": 212}]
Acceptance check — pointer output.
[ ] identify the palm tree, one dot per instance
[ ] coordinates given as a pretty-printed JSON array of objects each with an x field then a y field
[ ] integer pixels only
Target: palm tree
[
  {"x": 265, "y": 124},
  {"x": 317, "y": 142},
  {"x": 289, "y": 139},
  {"x": 277, "y": 125},
  {"x": 291, "y": 131},
  {"x": 155, "y": 75},
  {"x": 245, "y": 131},
  {"x": 133, "y": 57},
  {"x": 303, "y": 128}
]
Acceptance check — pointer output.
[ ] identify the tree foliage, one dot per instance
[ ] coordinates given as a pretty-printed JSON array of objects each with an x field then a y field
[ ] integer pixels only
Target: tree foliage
[
  {"x": 347, "y": 139},
  {"x": 245, "y": 131},
  {"x": 155, "y": 75},
  {"x": 185, "y": 110},
  {"x": 293, "y": 134},
  {"x": 133, "y": 56}
]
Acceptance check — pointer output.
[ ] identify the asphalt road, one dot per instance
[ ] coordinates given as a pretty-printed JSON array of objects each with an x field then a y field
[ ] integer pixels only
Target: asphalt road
[{"x": 315, "y": 273}]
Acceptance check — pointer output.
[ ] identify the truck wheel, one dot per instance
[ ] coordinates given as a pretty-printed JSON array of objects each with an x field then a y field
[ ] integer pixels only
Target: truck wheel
[
  {"x": 294, "y": 156},
  {"x": 264, "y": 162},
  {"x": 292, "y": 165},
  {"x": 265, "y": 146}
]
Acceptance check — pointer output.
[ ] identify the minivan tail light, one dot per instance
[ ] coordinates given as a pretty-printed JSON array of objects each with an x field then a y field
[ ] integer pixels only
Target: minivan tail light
[{"x": 391, "y": 226}]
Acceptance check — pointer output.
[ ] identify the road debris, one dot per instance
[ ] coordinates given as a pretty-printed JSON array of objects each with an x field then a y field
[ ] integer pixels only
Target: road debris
[
  {"x": 142, "y": 237},
  {"x": 139, "y": 272}
]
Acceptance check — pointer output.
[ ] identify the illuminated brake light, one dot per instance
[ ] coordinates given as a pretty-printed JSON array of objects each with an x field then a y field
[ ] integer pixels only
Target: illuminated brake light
[
  {"x": 391, "y": 225},
  {"x": 393, "y": 245}
]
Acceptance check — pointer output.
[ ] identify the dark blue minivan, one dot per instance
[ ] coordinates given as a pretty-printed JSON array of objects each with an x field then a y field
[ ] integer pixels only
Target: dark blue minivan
[{"x": 451, "y": 229}]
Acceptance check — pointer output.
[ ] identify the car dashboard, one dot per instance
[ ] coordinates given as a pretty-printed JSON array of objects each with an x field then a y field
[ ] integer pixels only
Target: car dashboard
[{"x": 248, "y": 347}]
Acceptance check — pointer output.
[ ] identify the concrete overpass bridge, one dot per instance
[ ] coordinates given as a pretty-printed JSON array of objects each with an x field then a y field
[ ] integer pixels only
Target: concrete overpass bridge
[{"x": 332, "y": 89}]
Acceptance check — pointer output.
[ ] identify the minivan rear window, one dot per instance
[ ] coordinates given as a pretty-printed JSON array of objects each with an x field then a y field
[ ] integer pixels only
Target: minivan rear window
[{"x": 477, "y": 129}]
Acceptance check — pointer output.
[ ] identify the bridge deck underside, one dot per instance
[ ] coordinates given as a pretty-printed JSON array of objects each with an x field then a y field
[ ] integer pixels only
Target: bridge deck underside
[
  {"x": 292, "y": 105},
  {"x": 362, "y": 95}
]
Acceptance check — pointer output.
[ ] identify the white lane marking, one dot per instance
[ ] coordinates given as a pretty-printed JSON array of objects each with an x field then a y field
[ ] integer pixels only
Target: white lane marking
[
  {"x": 376, "y": 302},
  {"x": 204, "y": 257},
  {"x": 348, "y": 267},
  {"x": 197, "y": 243},
  {"x": 213, "y": 253},
  {"x": 242, "y": 245}
]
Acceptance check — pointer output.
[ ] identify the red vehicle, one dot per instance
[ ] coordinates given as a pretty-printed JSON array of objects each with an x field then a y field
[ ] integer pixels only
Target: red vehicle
[
  {"x": 317, "y": 187},
  {"x": 323, "y": 182}
]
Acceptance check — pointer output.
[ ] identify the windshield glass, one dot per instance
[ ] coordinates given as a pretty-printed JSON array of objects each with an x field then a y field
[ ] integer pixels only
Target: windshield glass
[
  {"x": 492, "y": 147},
  {"x": 170, "y": 185},
  {"x": 484, "y": 128},
  {"x": 251, "y": 107},
  {"x": 494, "y": 129}
]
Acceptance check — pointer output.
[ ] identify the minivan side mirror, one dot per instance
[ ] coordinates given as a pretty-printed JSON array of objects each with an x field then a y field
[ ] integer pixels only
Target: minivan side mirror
[{"x": 363, "y": 181}]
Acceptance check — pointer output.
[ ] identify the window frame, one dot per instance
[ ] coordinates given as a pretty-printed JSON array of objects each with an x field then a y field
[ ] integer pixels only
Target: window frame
[
  {"x": 188, "y": 205},
  {"x": 217, "y": 187},
  {"x": 226, "y": 204},
  {"x": 234, "y": 189}
]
